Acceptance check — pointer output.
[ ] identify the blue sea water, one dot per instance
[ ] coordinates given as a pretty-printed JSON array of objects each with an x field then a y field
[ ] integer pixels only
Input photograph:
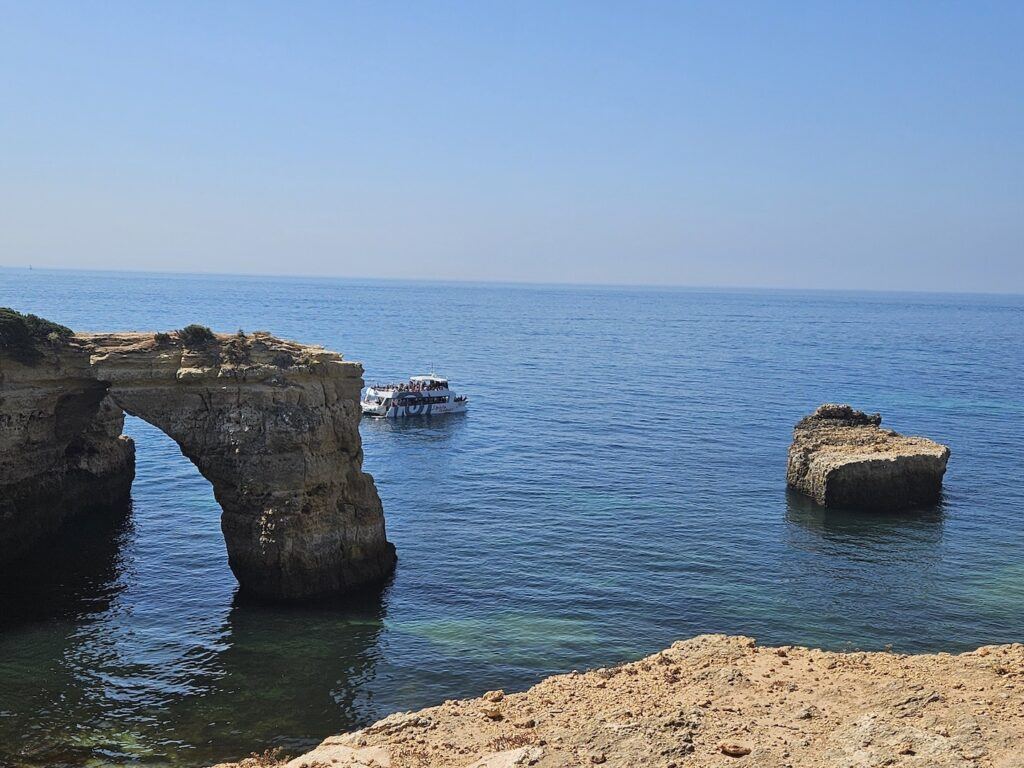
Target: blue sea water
[{"x": 618, "y": 484}]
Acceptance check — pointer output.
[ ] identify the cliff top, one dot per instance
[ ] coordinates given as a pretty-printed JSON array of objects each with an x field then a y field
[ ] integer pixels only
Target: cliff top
[
  {"x": 216, "y": 349},
  {"x": 714, "y": 701},
  {"x": 27, "y": 339}
]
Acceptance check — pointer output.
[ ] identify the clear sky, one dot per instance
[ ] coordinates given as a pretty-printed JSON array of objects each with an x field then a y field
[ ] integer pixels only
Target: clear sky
[{"x": 813, "y": 144}]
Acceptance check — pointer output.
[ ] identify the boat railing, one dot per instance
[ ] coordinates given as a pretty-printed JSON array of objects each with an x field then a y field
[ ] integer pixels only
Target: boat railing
[{"x": 401, "y": 387}]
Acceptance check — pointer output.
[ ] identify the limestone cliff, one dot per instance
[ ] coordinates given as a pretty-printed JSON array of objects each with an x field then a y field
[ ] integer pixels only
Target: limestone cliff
[
  {"x": 714, "y": 701},
  {"x": 61, "y": 449},
  {"x": 841, "y": 457},
  {"x": 273, "y": 425}
]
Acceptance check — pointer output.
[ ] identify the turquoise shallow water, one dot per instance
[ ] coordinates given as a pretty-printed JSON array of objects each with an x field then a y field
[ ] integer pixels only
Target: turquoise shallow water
[{"x": 618, "y": 484}]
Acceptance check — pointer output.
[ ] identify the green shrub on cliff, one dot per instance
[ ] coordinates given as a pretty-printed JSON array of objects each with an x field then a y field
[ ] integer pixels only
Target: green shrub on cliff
[
  {"x": 21, "y": 336},
  {"x": 195, "y": 335}
]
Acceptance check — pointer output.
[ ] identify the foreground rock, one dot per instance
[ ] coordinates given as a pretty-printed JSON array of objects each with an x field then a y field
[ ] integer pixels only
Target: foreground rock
[
  {"x": 841, "y": 457},
  {"x": 719, "y": 701},
  {"x": 273, "y": 425}
]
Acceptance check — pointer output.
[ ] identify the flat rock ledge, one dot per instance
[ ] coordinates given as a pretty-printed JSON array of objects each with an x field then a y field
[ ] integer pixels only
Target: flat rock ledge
[
  {"x": 717, "y": 700},
  {"x": 842, "y": 457}
]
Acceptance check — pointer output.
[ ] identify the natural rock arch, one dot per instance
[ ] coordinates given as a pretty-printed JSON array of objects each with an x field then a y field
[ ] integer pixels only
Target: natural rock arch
[{"x": 273, "y": 425}]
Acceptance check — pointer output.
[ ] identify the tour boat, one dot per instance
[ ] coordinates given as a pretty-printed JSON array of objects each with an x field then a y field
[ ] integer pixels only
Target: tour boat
[{"x": 421, "y": 396}]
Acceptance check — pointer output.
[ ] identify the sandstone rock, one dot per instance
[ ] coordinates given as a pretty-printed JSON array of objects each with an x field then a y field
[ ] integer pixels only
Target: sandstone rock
[
  {"x": 61, "y": 449},
  {"x": 841, "y": 457},
  {"x": 273, "y": 425},
  {"x": 860, "y": 701},
  {"x": 733, "y": 750},
  {"x": 512, "y": 758}
]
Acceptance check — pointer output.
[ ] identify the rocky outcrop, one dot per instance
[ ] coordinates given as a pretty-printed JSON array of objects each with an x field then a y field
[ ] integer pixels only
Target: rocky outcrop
[
  {"x": 842, "y": 457},
  {"x": 61, "y": 448},
  {"x": 273, "y": 425},
  {"x": 714, "y": 701}
]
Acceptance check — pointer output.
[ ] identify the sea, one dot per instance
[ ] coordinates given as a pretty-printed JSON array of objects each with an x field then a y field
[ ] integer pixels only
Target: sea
[{"x": 618, "y": 484}]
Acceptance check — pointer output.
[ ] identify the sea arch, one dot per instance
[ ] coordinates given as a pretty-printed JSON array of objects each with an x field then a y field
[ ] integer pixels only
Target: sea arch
[{"x": 274, "y": 426}]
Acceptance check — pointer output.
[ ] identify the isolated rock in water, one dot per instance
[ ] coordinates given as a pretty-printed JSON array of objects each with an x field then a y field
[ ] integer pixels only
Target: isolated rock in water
[
  {"x": 273, "y": 425},
  {"x": 841, "y": 457}
]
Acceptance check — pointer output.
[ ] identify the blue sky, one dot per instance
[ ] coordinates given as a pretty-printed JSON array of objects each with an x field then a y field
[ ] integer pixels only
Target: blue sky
[{"x": 834, "y": 145}]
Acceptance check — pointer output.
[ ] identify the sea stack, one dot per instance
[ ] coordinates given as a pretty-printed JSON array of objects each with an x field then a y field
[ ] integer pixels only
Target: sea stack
[
  {"x": 841, "y": 457},
  {"x": 272, "y": 424}
]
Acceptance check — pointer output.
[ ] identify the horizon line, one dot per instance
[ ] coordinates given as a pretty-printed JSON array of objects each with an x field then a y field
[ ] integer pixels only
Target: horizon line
[{"x": 507, "y": 283}]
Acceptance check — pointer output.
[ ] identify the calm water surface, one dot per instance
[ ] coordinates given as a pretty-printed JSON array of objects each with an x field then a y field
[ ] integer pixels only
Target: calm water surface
[{"x": 618, "y": 484}]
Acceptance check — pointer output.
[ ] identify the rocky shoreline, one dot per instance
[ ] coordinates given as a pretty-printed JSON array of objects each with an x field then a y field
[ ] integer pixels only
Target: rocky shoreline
[{"x": 718, "y": 700}]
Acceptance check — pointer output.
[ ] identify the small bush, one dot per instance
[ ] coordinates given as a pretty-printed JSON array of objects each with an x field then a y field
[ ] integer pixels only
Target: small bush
[
  {"x": 21, "y": 335},
  {"x": 283, "y": 360},
  {"x": 195, "y": 335},
  {"x": 162, "y": 339}
]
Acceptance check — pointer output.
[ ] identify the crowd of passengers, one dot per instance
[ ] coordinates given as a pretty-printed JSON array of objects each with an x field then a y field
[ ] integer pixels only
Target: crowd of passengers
[{"x": 414, "y": 386}]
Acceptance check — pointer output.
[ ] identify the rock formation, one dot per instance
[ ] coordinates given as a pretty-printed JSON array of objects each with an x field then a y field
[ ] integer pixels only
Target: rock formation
[
  {"x": 714, "y": 701},
  {"x": 841, "y": 457},
  {"x": 61, "y": 449},
  {"x": 273, "y": 425}
]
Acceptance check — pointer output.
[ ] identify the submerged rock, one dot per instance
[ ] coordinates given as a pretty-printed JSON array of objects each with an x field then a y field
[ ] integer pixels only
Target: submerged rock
[
  {"x": 273, "y": 425},
  {"x": 842, "y": 457}
]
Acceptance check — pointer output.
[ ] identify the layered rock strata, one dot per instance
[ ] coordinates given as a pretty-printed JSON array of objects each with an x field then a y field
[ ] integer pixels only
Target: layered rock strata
[
  {"x": 61, "y": 448},
  {"x": 273, "y": 425},
  {"x": 842, "y": 457},
  {"x": 714, "y": 701}
]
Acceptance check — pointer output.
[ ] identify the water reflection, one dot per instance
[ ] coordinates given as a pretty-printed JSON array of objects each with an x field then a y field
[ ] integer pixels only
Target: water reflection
[
  {"x": 288, "y": 675},
  {"x": 855, "y": 571},
  {"x": 276, "y": 676},
  {"x": 77, "y": 571},
  {"x": 853, "y": 532},
  {"x": 49, "y": 601},
  {"x": 424, "y": 429}
]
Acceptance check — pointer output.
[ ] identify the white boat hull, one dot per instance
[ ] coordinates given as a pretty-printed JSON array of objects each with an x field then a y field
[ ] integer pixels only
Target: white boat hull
[{"x": 397, "y": 411}]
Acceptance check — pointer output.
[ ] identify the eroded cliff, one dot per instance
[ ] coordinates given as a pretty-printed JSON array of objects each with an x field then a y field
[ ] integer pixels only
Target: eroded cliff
[
  {"x": 61, "y": 448},
  {"x": 273, "y": 425}
]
